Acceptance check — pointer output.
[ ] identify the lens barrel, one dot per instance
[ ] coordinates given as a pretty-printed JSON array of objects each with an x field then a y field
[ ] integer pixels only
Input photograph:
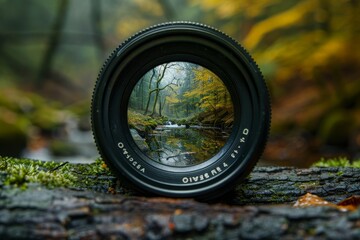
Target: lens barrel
[{"x": 200, "y": 45}]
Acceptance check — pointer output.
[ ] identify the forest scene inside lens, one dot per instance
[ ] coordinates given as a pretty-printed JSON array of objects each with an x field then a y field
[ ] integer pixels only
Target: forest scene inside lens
[{"x": 180, "y": 114}]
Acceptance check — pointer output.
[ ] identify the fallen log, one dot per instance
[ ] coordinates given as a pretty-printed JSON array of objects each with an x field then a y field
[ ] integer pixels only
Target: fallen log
[
  {"x": 61, "y": 213},
  {"x": 39, "y": 213},
  {"x": 271, "y": 185}
]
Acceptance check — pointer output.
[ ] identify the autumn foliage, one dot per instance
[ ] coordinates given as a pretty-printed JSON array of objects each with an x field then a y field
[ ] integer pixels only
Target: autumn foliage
[{"x": 308, "y": 52}]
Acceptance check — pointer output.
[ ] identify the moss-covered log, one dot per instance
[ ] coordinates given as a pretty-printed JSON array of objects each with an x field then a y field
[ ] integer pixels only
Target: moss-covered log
[
  {"x": 98, "y": 207},
  {"x": 265, "y": 185}
]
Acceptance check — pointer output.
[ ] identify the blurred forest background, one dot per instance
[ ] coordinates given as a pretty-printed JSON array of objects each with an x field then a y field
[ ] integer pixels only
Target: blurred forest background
[{"x": 308, "y": 51}]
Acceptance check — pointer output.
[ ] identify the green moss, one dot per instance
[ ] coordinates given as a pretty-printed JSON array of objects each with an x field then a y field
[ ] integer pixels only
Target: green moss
[
  {"x": 21, "y": 172},
  {"x": 144, "y": 122},
  {"x": 280, "y": 198},
  {"x": 356, "y": 164},
  {"x": 308, "y": 185},
  {"x": 337, "y": 162},
  {"x": 94, "y": 169}
]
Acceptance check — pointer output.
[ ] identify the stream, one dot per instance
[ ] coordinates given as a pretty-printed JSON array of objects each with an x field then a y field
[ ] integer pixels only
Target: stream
[
  {"x": 81, "y": 142},
  {"x": 175, "y": 145}
]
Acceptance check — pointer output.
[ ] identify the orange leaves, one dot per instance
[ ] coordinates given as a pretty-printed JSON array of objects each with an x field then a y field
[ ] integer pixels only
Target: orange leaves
[
  {"x": 311, "y": 200},
  {"x": 351, "y": 203}
]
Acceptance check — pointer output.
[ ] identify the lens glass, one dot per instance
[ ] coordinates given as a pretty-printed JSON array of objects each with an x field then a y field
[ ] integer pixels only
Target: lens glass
[{"x": 180, "y": 114}]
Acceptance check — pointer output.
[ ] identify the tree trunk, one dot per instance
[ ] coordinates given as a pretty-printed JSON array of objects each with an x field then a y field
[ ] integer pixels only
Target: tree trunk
[
  {"x": 155, "y": 102},
  {"x": 39, "y": 213},
  {"x": 53, "y": 43},
  {"x": 157, "y": 87},
  {"x": 162, "y": 103},
  {"x": 149, "y": 92},
  {"x": 96, "y": 25}
]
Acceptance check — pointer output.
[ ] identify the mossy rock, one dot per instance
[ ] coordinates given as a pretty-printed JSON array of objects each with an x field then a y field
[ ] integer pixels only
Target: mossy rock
[
  {"x": 336, "y": 128},
  {"x": 62, "y": 148},
  {"x": 81, "y": 109},
  {"x": 47, "y": 118}
]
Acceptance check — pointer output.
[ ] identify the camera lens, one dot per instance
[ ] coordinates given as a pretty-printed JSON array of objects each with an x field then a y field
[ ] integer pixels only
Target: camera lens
[
  {"x": 181, "y": 109},
  {"x": 180, "y": 114}
]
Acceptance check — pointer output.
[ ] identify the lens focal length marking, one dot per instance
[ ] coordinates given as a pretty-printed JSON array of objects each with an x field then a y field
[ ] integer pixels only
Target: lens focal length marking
[{"x": 242, "y": 140}]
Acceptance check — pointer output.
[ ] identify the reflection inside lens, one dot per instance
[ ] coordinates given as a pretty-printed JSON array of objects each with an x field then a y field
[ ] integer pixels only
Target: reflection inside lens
[{"x": 180, "y": 114}]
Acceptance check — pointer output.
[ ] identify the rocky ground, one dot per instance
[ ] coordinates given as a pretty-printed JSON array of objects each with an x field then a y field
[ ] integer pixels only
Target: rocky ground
[{"x": 260, "y": 208}]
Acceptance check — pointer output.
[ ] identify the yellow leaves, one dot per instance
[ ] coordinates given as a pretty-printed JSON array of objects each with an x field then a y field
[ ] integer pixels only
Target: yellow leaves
[
  {"x": 296, "y": 36},
  {"x": 288, "y": 18},
  {"x": 333, "y": 48},
  {"x": 131, "y": 26},
  {"x": 209, "y": 89},
  {"x": 152, "y": 7},
  {"x": 196, "y": 92},
  {"x": 306, "y": 52},
  {"x": 172, "y": 100},
  {"x": 139, "y": 20},
  {"x": 230, "y": 8}
]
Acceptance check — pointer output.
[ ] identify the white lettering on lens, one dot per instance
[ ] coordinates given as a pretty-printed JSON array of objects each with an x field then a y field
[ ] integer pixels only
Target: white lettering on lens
[
  {"x": 246, "y": 131},
  {"x": 207, "y": 175},
  {"x": 196, "y": 178},
  {"x": 127, "y": 155},
  {"x": 242, "y": 140}
]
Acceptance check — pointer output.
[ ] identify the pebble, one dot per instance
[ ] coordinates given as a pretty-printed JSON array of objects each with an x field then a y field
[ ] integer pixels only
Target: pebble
[
  {"x": 263, "y": 227},
  {"x": 183, "y": 223}
]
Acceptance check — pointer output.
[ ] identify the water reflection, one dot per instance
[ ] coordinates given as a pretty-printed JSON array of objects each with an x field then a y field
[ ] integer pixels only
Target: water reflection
[{"x": 182, "y": 145}]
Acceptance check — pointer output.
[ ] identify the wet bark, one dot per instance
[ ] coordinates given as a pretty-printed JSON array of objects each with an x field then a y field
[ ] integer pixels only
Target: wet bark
[
  {"x": 269, "y": 185},
  {"x": 39, "y": 213}
]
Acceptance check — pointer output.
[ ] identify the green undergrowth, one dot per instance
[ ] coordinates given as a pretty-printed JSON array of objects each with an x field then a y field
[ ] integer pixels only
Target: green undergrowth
[
  {"x": 337, "y": 162},
  {"x": 144, "y": 121},
  {"x": 21, "y": 172}
]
